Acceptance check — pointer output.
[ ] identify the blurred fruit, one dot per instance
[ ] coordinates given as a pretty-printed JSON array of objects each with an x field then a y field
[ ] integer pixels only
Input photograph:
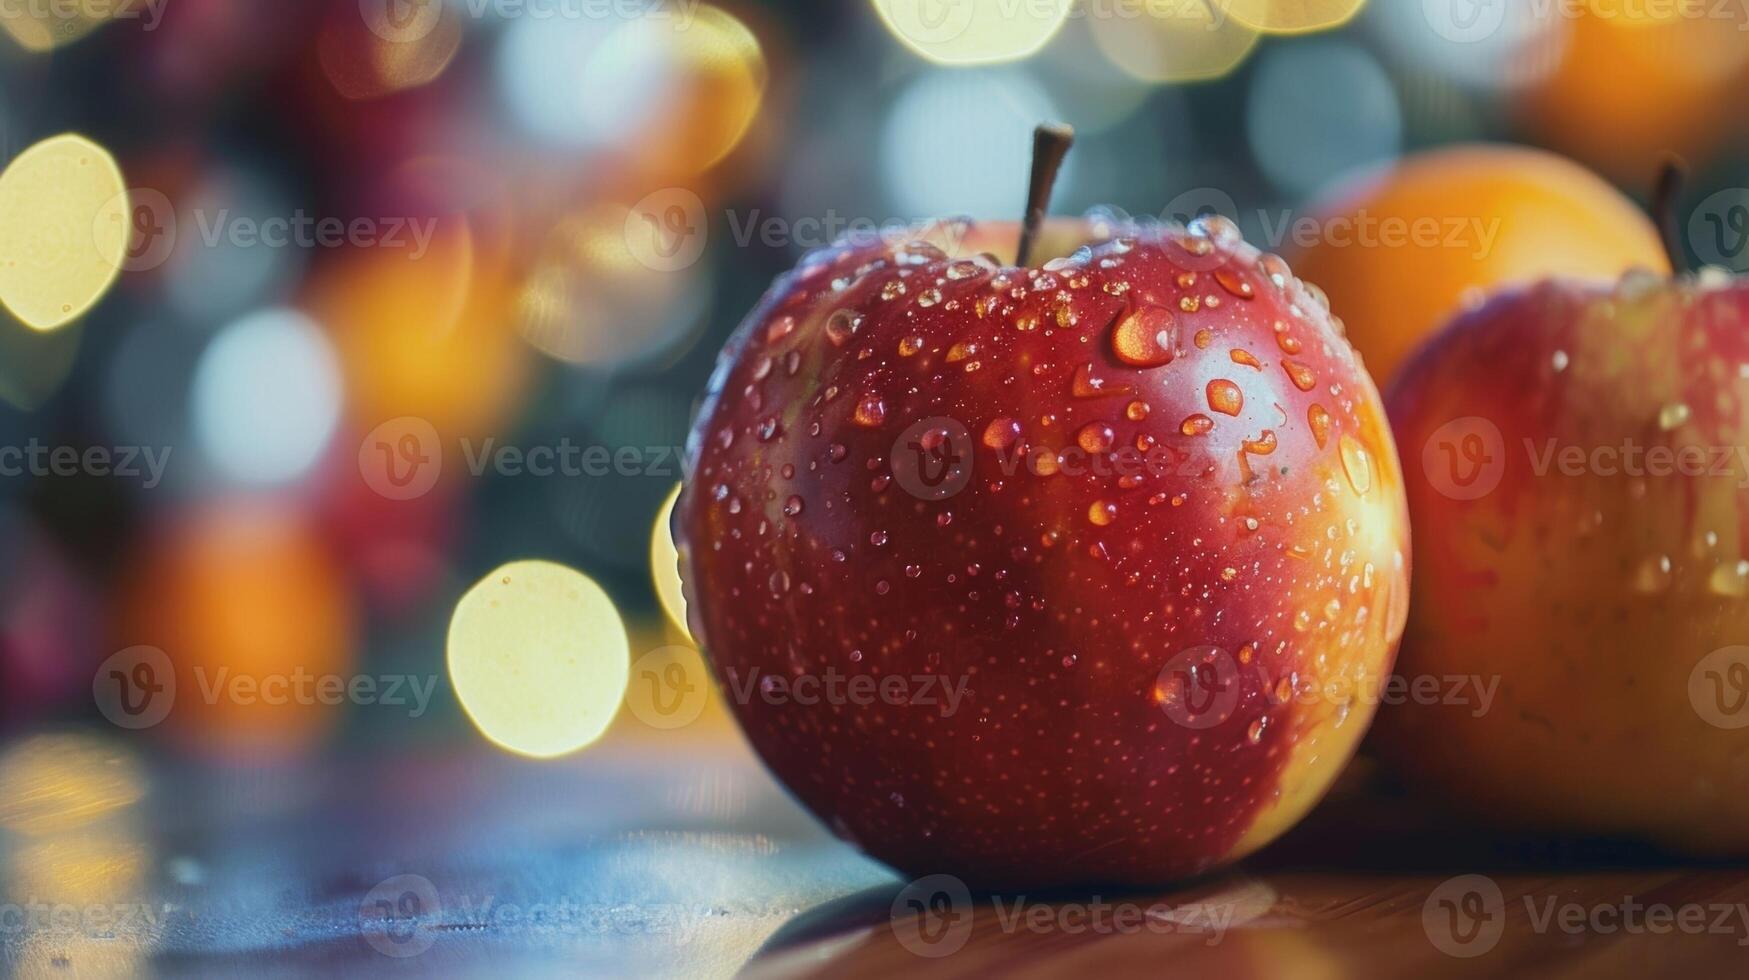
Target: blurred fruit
[
  {"x": 244, "y": 602},
  {"x": 1399, "y": 250},
  {"x": 1638, "y": 81},
  {"x": 1580, "y": 497},
  {"x": 1104, "y": 555}
]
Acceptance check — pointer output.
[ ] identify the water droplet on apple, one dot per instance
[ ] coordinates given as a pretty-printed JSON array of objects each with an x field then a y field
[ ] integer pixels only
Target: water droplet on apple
[
  {"x": 1146, "y": 337},
  {"x": 1225, "y": 397},
  {"x": 1319, "y": 420},
  {"x": 1356, "y": 463},
  {"x": 1299, "y": 374},
  {"x": 870, "y": 411},
  {"x": 1096, "y": 437}
]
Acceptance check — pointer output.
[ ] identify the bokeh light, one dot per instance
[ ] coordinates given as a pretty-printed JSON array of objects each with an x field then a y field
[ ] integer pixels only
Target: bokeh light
[
  {"x": 1291, "y": 16},
  {"x": 1444, "y": 41},
  {"x": 63, "y": 228},
  {"x": 677, "y": 99},
  {"x": 593, "y": 298},
  {"x": 46, "y": 26},
  {"x": 973, "y": 32},
  {"x": 1183, "y": 42},
  {"x": 539, "y": 658},
  {"x": 665, "y": 565},
  {"x": 1319, "y": 109},
  {"x": 266, "y": 397},
  {"x": 241, "y": 590},
  {"x": 425, "y": 332},
  {"x": 960, "y": 143}
]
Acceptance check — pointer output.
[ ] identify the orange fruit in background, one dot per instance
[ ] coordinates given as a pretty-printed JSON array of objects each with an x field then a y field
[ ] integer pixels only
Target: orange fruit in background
[
  {"x": 249, "y": 596},
  {"x": 1635, "y": 82},
  {"x": 1401, "y": 250}
]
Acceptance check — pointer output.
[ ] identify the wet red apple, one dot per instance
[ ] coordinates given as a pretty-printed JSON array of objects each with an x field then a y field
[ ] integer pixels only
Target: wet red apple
[
  {"x": 1052, "y": 574},
  {"x": 1579, "y": 485}
]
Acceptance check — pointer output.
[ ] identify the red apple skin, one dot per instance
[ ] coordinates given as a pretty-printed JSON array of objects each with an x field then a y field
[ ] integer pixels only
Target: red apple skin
[
  {"x": 1592, "y": 597},
  {"x": 1068, "y": 604}
]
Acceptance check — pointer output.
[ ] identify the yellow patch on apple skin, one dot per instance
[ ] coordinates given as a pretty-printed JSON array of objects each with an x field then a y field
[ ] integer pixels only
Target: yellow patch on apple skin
[{"x": 64, "y": 230}]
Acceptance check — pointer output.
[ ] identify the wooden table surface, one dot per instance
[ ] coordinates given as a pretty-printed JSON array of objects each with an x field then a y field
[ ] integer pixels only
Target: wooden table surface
[{"x": 674, "y": 854}]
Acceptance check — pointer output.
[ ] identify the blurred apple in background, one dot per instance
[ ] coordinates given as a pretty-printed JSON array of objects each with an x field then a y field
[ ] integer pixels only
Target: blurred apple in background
[
  {"x": 1401, "y": 249},
  {"x": 1579, "y": 493},
  {"x": 1138, "y": 507}
]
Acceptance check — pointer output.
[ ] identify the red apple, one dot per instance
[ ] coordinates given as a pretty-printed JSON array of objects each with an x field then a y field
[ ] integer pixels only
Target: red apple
[
  {"x": 1051, "y": 575},
  {"x": 1580, "y": 492}
]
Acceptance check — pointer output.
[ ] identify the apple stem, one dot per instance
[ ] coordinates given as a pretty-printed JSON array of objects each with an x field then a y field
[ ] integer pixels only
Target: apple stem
[
  {"x": 1050, "y": 144},
  {"x": 1671, "y": 177}
]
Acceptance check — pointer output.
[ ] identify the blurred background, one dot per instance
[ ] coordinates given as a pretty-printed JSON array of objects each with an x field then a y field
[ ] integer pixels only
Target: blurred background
[{"x": 325, "y": 311}]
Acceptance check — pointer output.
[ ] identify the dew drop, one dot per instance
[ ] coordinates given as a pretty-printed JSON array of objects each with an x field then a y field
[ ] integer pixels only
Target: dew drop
[
  {"x": 1197, "y": 425},
  {"x": 841, "y": 326},
  {"x": 871, "y": 411},
  {"x": 1145, "y": 338},
  {"x": 1356, "y": 463},
  {"x": 1096, "y": 437},
  {"x": 1299, "y": 374},
  {"x": 1001, "y": 433},
  {"x": 1224, "y": 397},
  {"x": 1319, "y": 420},
  {"x": 1234, "y": 283},
  {"x": 1102, "y": 512}
]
